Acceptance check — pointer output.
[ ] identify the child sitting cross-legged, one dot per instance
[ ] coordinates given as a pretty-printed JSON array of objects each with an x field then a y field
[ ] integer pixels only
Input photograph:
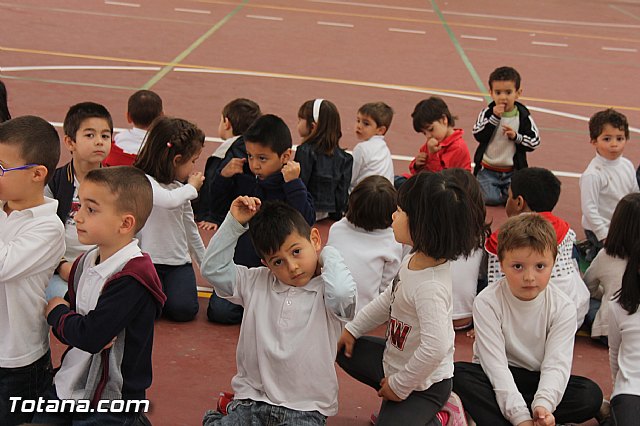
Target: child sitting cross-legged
[{"x": 294, "y": 309}]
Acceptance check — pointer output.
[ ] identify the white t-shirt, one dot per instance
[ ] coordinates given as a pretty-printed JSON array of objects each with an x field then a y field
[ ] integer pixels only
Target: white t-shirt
[
  {"x": 624, "y": 350},
  {"x": 604, "y": 278},
  {"x": 130, "y": 140},
  {"x": 371, "y": 157},
  {"x": 501, "y": 149},
  {"x": 464, "y": 273}
]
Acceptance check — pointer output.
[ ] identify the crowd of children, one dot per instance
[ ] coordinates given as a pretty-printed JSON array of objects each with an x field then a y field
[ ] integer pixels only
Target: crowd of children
[{"x": 102, "y": 246}]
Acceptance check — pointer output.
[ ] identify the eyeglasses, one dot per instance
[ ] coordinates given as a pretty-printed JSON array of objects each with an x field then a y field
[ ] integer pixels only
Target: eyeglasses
[{"x": 26, "y": 166}]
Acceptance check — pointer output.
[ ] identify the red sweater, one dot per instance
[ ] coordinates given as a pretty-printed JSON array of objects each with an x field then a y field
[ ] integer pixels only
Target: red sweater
[{"x": 454, "y": 153}]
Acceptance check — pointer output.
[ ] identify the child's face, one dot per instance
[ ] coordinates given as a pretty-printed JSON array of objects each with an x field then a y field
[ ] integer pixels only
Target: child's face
[
  {"x": 263, "y": 161},
  {"x": 184, "y": 169},
  {"x": 439, "y": 130},
  {"x": 505, "y": 93},
  {"x": 296, "y": 262},
  {"x": 92, "y": 141},
  {"x": 12, "y": 183},
  {"x": 400, "y": 227},
  {"x": 304, "y": 129},
  {"x": 98, "y": 220},
  {"x": 527, "y": 271},
  {"x": 610, "y": 144},
  {"x": 366, "y": 127}
]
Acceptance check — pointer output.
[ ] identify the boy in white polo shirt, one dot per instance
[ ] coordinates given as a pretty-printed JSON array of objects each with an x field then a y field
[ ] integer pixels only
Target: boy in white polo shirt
[
  {"x": 294, "y": 310},
  {"x": 31, "y": 245},
  {"x": 524, "y": 336}
]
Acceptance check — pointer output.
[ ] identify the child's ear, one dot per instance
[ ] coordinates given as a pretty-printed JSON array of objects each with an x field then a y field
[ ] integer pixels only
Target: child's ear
[
  {"x": 69, "y": 143},
  {"x": 521, "y": 204},
  {"x": 286, "y": 156},
  {"x": 315, "y": 239},
  {"x": 314, "y": 126},
  {"x": 129, "y": 120},
  {"x": 381, "y": 130},
  {"x": 128, "y": 223},
  {"x": 39, "y": 173},
  {"x": 518, "y": 93},
  {"x": 176, "y": 160},
  {"x": 445, "y": 121},
  {"x": 264, "y": 263},
  {"x": 227, "y": 123}
]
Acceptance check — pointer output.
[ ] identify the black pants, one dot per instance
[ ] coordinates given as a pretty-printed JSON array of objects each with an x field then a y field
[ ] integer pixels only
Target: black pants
[
  {"x": 581, "y": 401},
  {"x": 625, "y": 410},
  {"x": 419, "y": 408},
  {"x": 179, "y": 285}
]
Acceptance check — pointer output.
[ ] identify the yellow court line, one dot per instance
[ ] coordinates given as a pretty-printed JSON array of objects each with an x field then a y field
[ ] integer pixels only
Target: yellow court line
[
  {"x": 422, "y": 21},
  {"x": 302, "y": 77},
  {"x": 204, "y": 295}
]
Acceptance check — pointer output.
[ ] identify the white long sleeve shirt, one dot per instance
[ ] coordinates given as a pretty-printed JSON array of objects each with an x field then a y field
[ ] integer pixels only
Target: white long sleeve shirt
[
  {"x": 373, "y": 258},
  {"x": 371, "y": 157},
  {"x": 602, "y": 185},
  {"x": 624, "y": 350},
  {"x": 420, "y": 337},
  {"x": 171, "y": 235},
  {"x": 31, "y": 246},
  {"x": 537, "y": 335}
]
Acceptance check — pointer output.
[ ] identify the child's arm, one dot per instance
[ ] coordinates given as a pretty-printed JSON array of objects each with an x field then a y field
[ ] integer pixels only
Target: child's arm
[
  {"x": 173, "y": 198},
  {"x": 590, "y": 186},
  {"x": 486, "y": 124},
  {"x": 527, "y": 135},
  {"x": 592, "y": 279},
  {"x": 339, "y": 286},
  {"x": 372, "y": 315},
  {"x": 358, "y": 162},
  {"x": 296, "y": 193},
  {"x": 196, "y": 246},
  {"x": 615, "y": 339},
  {"x": 418, "y": 163},
  {"x": 389, "y": 271}
]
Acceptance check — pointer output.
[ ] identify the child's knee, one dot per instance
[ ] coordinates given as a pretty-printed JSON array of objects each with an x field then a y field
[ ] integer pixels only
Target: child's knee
[
  {"x": 181, "y": 310},
  {"x": 222, "y": 311}
]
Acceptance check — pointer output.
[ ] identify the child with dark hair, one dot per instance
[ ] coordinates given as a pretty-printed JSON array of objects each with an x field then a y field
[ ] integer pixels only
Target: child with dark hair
[
  {"x": 4, "y": 103},
  {"x": 235, "y": 119},
  {"x": 604, "y": 275},
  {"x": 524, "y": 337},
  {"x": 505, "y": 132},
  {"x": 365, "y": 238},
  {"x": 444, "y": 147},
  {"x": 143, "y": 107},
  {"x": 372, "y": 156},
  {"x": 412, "y": 370},
  {"x": 537, "y": 190},
  {"x": 624, "y": 343},
  {"x": 325, "y": 168},
  {"x": 171, "y": 235},
  {"x": 295, "y": 306},
  {"x": 607, "y": 179},
  {"x": 87, "y": 134},
  {"x": 273, "y": 175},
  {"x": 31, "y": 245}
]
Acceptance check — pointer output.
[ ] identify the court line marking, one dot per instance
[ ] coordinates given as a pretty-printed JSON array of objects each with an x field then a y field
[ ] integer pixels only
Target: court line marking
[
  {"x": 164, "y": 71},
  {"x": 266, "y": 18},
  {"x": 200, "y": 11},
  {"x": 335, "y": 24},
  {"x": 120, "y": 3},
  {"x": 68, "y": 83},
  {"x": 624, "y": 12},
  {"x": 472, "y": 37},
  {"x": 548, "y": 43},
  {"x": 619, "y": 49},
  {"x": 402, "y": 30},
  {"x": 76, "y": 67}
]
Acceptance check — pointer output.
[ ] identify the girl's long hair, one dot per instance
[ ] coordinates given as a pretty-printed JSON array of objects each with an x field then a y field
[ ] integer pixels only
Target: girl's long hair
[
  {"x": 4, "y": 107},
  {"x": 629, "y": 294},
  {"x": 325, "y": 138}
]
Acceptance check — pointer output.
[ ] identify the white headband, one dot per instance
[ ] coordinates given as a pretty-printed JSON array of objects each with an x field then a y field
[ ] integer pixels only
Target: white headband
[{"x": 316, "y": 109}]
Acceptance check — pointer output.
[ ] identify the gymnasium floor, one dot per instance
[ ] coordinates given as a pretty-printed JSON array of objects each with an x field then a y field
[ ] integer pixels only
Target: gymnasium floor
[{"x": 575, "y": 57}]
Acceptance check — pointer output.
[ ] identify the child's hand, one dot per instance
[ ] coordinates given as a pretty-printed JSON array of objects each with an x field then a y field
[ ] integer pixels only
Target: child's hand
[
  {"x": 498, "y": 109},
  {"x": 542, "y": 417},
  {"x": 233, "y": 167},
  {"x": 108, "y": 345},
  {"x": 64, "y": 269},
  {"x": 509, "y": 132},
  {"x": 526, "y": 423},
  {"x": 207, "y": 226},
  {"x": 421, "y": 160},
  {"x": 433, "y": 146},
  {"x": 291, "y": 171},
  {"x": 346, "y": 341},
  {"x": 471, "y": 333},
  {"x": 53, "y": 303},
  {"x": 386, "y": 392},
  {"x": 196, "y": 179},
  {"x": 244, "y": 208}
]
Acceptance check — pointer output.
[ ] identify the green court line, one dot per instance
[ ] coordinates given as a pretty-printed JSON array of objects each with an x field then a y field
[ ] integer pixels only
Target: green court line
[
  {"x": 164, "y": 71},
  {"x": 70, "y": 83},
  {"x": 460, "y": 51}
]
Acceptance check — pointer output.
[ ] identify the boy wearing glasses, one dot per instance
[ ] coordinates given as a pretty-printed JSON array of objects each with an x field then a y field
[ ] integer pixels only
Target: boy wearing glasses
[{"x": 31, "y": 245}]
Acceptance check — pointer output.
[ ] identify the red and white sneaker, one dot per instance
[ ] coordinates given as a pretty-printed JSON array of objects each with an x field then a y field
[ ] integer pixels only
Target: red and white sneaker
[
  {"x": 223, "y": 401},
  {"x": 455, "y": 410}
]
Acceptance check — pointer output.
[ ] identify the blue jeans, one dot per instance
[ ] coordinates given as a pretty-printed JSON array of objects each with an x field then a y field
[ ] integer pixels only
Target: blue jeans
[
  {"x": 179, "y": 285},
  {"x": 57, "y": 287},
  {"x": 27, "y": 382},
  {"x": 495, "y": 186},
  {"x": 245, "y": 412}
]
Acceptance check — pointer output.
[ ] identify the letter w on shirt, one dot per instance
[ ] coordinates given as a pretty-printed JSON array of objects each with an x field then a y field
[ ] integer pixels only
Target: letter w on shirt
[{"x": 397, "y": 333}]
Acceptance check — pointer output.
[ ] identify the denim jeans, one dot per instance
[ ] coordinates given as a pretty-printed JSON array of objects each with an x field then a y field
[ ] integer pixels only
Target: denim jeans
[
  {"x": 495, "y": 186},
  {"x": 27, "y": 382},
  {"x": 245, "y": 412},
  {"x": 179, "y": 285},
  {"x": 57, "y": 287}
]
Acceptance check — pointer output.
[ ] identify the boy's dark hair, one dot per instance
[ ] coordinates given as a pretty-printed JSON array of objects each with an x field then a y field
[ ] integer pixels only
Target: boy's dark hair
[
  {"x": 538, "y": 187},
  {"x": 131, "y": 188},
  {"x": 36, "y": 139},
  {"x": 611, "y": 117},
  {"x": 624, "y": 230},
  {"x": 4, "y": 104},
  {"x": 465, "y": 179},
  {"x": 527, "y": 231},
  {"x": 380, "y": 112},
  {"x": 441, "y": 216},
  {"x": 82, "y": 111},
  {"x": 505, "y": 74},
  {"x": 271, "y": 132},
  {"x": 241, "y": 113},
  {"x": 273, "y": 223},
  {"x": 372, "y": 203},
  {"x": 143, "y": 107},
  {"x": 429, "y": 110}
]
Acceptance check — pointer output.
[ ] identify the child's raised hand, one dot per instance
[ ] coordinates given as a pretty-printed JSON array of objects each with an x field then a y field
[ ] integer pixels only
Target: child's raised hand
[
  {"x": 433, "y": 146},
  {"x": 196, "y": 179},
  {"x": 53, "y": 303},
  {"x": 346, "y": 341},
  {"x": 421, "y": 160},
  {"x": 386, "y": 392},
  {"x": 509, "y": 132},
  {"x": 542, "y": 417},
  {"x": 233, "y": 167},
  {"x": 291, "y": 171},
  {"x": 207, "y": 226},
  {"x": 244, "y": 208},
  {"x": 498, "y": 109}
]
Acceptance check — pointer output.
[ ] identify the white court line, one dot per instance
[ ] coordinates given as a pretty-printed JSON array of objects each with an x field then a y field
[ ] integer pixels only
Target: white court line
[
  {"x": 335, "y": 24},
  {"x": 200, "y": 11},
  {"x": 619, "y": 49},
  {"x": 545, "y": 43},
  {"x": 78, "y": 67},
  {"x": 479, "y": 37},
  {"x": 402, "y": 30},
  {"x": 379, "y": 6},
  {"x": 120, "y": 3},
  {"x": 266, "y": 18}
]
